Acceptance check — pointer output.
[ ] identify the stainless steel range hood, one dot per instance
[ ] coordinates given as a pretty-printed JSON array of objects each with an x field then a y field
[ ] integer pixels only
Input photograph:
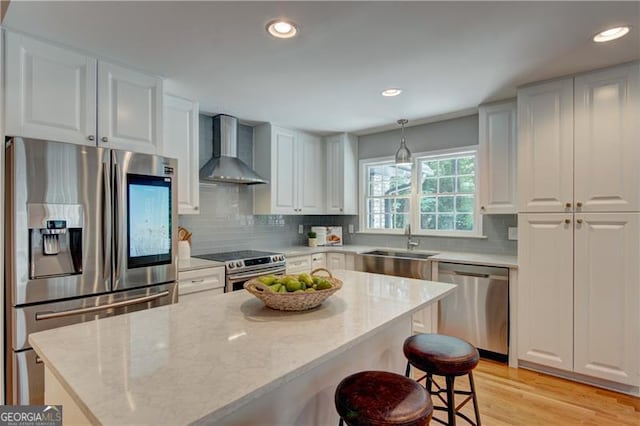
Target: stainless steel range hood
[{"x": 225, "y": 166}]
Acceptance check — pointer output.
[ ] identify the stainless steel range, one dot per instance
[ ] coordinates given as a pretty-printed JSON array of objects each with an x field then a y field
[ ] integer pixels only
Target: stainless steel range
[{"x": 243, "y": 265}]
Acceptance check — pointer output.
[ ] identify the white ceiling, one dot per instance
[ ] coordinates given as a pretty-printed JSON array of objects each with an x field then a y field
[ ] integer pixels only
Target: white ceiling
[{"x": 447, "y": 56}]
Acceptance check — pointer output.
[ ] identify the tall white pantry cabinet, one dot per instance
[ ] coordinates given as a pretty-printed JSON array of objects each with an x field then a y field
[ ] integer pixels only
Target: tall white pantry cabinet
[{"x": 579, "y": 225}]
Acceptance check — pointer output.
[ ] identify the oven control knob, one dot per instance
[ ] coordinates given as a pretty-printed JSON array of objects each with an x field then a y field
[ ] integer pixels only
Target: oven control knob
[
  {"x": 231, "y": 265},
  {"x": 281, "y": 258},
  {"x": 239, "y": 264}
]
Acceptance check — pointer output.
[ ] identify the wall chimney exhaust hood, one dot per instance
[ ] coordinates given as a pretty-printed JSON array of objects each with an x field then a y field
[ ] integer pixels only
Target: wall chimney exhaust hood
[{"x": 225, "y": 166}]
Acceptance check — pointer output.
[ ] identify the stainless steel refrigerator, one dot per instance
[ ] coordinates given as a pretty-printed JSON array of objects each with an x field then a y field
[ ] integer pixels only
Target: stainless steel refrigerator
[{"x": 90, "y": 232}]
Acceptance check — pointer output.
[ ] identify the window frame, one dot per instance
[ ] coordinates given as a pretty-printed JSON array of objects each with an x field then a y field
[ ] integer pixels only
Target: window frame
[{"x": 414, "y": 210}]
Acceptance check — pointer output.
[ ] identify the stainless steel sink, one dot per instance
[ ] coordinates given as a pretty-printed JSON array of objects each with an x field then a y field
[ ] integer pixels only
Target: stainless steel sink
[
  {"x": 397, "y": 262},
  {"x": 400, "y": 254}
]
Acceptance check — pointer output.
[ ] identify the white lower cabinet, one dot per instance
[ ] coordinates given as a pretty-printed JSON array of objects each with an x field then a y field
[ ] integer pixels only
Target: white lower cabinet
[
  {"x": 607, "y": 296},
  {"x": 298, "y": 264},
  {"x": 336, "y": 261},
  {"x": 318, "y": 260},
  {"x": 579, "y": 293},
  {"x": 426, "y": 320},
  {"x": 201, "y": 280}
]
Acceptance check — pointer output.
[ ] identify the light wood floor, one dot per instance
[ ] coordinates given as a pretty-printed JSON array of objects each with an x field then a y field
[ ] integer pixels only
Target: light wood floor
[{"x": 509, "y": 396}]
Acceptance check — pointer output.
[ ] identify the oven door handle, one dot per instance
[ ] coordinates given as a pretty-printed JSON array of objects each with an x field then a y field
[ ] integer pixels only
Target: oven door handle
[
  {"x": 80, "y": 311},
  {"x": 254, "y": 275}
]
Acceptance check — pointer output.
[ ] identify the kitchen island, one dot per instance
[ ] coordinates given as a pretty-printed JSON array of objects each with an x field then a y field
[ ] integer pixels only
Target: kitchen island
[{"x": 227, "y": 359}]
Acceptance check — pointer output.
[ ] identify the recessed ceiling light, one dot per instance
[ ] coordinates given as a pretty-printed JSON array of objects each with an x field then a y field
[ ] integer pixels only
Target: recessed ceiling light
[
  {"x": 610, "y": 34},
  {"x": 394, "y": 91},
  {"x": 282, "y": 29}
]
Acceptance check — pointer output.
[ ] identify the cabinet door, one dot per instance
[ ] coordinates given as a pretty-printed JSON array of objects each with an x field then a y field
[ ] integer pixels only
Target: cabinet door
[
  {"x": 350, "y": 262},
  {"x": 545, "y": 294},
  {"x": 335, "y": 175},
  {"x": 181, "y": 136},
  {"x": 607, "y": 135},
  {"x": 51, "y": 92},
  {"x": 545, "y": 147},
  {"x": 607, "y": 296},
  {"x": 129, "y": 109},
  {"x": 426, "y": 320},
  {"x": 497, "y": 151},
  {"x": 284, "y": 172},
  {"x": 311, "y": 179},
  {"x": 318, "y": 260},
  {"x": 336, "y": 261}
]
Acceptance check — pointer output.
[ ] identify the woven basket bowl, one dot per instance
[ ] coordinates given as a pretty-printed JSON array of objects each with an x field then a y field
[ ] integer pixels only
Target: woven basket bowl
[{"x": 293, "y": 301}]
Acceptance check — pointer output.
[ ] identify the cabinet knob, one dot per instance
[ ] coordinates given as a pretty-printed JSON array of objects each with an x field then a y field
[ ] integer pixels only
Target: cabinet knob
[
  {"x": 579, "y": 220},
  {"x": 482, "y": 208},
  {"x": 105, "y": 139},
  {"x": 579, "y": 204},
  {"x": 567, "y": 221},
  {"x": 195, "y": 208},
  {"x": 568, "y": 205},
  {"x": 341, "y": 209},
  {"x": 91, "y": 138}
]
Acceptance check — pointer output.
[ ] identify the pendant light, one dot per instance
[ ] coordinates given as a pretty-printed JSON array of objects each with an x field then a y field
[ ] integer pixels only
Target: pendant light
[{"x": 403, "y": 155}]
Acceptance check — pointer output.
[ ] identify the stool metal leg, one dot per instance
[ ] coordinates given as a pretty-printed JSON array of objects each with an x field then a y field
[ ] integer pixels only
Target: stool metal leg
[
  {"x": 341, "y": 422},
  {"x": 407, "y": 372},
  {"x": 451, "y": 403},
  {"x": 475, "y": 399}
]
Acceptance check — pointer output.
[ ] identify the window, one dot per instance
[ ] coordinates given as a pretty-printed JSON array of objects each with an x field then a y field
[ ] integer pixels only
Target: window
[{"x": 436, "y": 194}]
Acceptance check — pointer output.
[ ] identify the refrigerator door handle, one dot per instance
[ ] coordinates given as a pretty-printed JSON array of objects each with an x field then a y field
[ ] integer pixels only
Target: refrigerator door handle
[
  {"x": 107, "y": 212},
  {"x": 117, "y": 185},
  {"x": 51, "y": 315}
]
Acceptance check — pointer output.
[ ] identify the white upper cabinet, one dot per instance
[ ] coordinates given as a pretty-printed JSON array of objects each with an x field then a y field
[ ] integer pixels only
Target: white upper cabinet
[
  {"x": 181, "y": 138},
  {"x": 293, "y": 163},
  {"x": 545, "y": 147},
  {"x": 342, "y": 174},
  {"x": 607, "y": 140},
  {"x": 59, "y": 94},
  {"x": 129, "y": 109},
  {"x": 607, "y": 296},
  {"x": 545, "y": 294},
  {"x": 497, "y": 152},
  {"x": 50, "y": 91}
]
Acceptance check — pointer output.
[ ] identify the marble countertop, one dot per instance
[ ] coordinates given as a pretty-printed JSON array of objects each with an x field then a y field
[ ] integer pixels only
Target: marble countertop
[
  {"x": 179, "y": 363},
  {"x": 193, "y": 263},
  {"x": 488, "y": 259}
]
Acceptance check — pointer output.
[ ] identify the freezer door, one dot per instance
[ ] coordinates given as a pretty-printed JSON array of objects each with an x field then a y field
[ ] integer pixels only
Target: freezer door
[
  {"x": 58, "y": 216},
  {"x": 145, "y": 220},
  {"x": 479, "y": 308}
]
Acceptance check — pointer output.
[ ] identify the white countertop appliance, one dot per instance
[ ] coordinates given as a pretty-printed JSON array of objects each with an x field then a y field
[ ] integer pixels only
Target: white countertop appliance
[{"x": 243, "y": 265}]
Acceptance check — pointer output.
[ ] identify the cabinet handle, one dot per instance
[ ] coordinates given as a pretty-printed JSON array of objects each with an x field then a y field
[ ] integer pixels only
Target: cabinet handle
[
  {"x": 568, "y": 205},
  {"x": 105, "y": 139},
  {"x": 341, "y": 209},
  {"x": 481, "y": 207},
  {"x": 579, "y": 204},
  {"x": 579, "y": 220},
  {"x": 91, "y": 138},
  {"x": 195, "y": 208},
  {"x": 567, "y": 221}
]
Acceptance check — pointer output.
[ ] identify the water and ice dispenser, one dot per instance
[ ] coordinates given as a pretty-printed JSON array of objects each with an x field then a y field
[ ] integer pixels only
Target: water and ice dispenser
[{"x": 55, "y": 239}]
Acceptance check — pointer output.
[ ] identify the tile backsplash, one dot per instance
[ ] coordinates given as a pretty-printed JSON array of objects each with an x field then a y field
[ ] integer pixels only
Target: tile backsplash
[{"x": 226, "y": 220}]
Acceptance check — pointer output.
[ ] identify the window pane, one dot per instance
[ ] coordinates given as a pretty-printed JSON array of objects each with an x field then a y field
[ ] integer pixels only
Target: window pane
[
  {"x": 445, "y": 222},
  {"x": 428, "y": 221},
  {"x": 428, "y": 204},
  {"x": 464, "y": 203},
  {"x": 401, "y": 221},
  {"x": 401, "y": 205},
  {"x": 376, "y": 221},
  {"x": 429, "y": 168},
  {"x": 467, "y": 184},
  {"x": 466, "y": 166},
  {"x": 376, "y": 206},
  {"x": 446, "y": 185},
  {"x": 445, "y": 204},
  {"x": 464, "y": 222},
  {"x": 430, "y": 186},
  {"x": 446, "y": 167}
]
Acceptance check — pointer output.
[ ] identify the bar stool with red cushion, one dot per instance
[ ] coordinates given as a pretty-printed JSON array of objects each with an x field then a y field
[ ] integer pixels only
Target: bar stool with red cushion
[
  {"x": 440, "y": 355},
  {"x": 382, "y": 398}
]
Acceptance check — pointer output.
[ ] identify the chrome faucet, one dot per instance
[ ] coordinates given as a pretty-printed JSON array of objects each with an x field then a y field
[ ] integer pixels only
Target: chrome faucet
[{"x": 411, "y": 244}]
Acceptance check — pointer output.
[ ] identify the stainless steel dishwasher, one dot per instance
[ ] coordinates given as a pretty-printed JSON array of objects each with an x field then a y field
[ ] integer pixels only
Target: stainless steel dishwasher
[{"x": 478, "y": 311}]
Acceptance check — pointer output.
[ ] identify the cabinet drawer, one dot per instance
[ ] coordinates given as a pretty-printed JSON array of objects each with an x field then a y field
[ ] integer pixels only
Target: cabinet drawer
[
  {"x": 201, "y": 280},
  {"x": 298, "y": 264}
]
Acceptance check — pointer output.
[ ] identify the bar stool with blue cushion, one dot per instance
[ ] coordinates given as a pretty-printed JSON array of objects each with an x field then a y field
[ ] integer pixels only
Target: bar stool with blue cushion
[
  {"x": 382, "y": 398},
  {"x": 440, "y": 355}
]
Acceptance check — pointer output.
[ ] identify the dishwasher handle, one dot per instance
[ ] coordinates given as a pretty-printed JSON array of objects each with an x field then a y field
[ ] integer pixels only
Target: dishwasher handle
[
  {"x": 471, "y": 274},
  {"x": 473, "y": 271}
]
